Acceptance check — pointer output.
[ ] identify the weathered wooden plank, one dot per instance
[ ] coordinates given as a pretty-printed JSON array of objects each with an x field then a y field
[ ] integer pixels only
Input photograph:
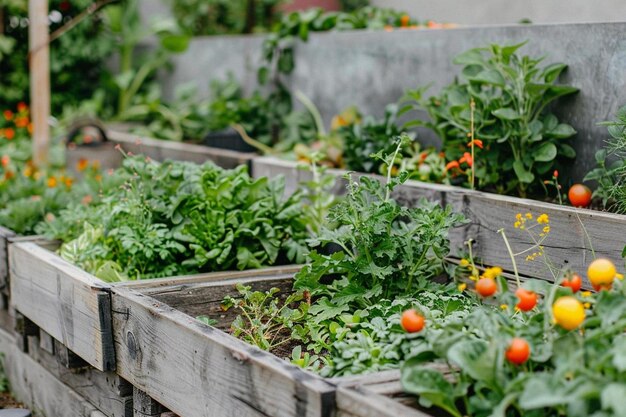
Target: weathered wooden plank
[
  {"x": 361, "y": 402},
  {"x": 161, "y": 150},
  {"x": 197, "y": 370},
  {"x": 105, "y": 390},
  {"x": 36, "y": 387},
  {"x": 65, "y": 301},
  {"x": 144, "y": 405},
  {"x": 4, "y": 259}
]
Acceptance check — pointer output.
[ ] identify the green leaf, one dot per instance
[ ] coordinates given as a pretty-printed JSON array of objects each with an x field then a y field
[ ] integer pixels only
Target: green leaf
[
  {"x": 545, "y": 153},
  {"x": 619, "y": 353},
  {"x": 613, "y": 396},
  {"x": 489, "y": 77},
  {"x": 506, "y": 114},
  {"x": 474, "y": 357},
  {"x": 431, "y": 386},
  {"x": 562, "y": 131},
  {"x": 175, "y": 43},
  {"x": 567, "y": 151},
  {"x": 522, "y": 173}
]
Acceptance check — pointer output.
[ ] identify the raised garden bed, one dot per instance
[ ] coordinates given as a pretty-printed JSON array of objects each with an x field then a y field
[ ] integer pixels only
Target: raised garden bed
[{"x": 487, "y": 213}]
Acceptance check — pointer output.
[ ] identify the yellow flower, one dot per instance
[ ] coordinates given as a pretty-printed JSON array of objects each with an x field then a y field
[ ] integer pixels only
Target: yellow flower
[
  {"x": 518, "y": 216},
  {"x": 529, "y": 216},
  {"x": 52, "y": 182},
  {"x": 504, "y": 306},
  {"x": 464, "y": 262},
  {"x": 462, "y": 287},
  {"x": 543, "y": 219},
  {"x": 587, "y": 305},
  {"x": 619, "y": 276},
  {"x": 492, "y": 272},
  {"x": 517, "y": 225},
  {"x": 546, "y": 229},
  {"x": 586, "y": 293}
]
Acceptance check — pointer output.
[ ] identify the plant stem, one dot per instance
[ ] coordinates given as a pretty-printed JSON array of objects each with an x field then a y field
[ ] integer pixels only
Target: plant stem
[
  {"x": 472, "y": 108},
  {"x": 593, "y": 252},
  {"x": 389, "y": 168},
  {"x": 508, "y": 248}
]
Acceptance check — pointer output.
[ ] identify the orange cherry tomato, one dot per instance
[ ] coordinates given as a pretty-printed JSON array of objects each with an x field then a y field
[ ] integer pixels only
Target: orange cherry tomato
[
  {"x": 527, "y": 299},
  {"x": 601, "y": 273},
  {"x": 579, "y": 195},
  {"x": 574, "y": 282},
  {"x": 412, "y": 321},
  {"x": 518, "y": 351},
  {"x": 486, "y": 287}
]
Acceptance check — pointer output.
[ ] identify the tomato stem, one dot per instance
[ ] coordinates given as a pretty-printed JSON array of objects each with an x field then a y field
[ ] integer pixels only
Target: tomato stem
[{"x": 508, "y": 248}]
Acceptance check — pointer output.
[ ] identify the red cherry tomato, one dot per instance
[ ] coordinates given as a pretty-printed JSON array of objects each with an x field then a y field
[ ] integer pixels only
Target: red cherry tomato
[
  {"x": 527, "y": 299},
  {"x": 579, "y": 195},
  {"x": 518, "y": 351},
  {"x": 574, "y": 282},
  {"x": 412, "y": 321},
  {"x": 486, "y": 287}
]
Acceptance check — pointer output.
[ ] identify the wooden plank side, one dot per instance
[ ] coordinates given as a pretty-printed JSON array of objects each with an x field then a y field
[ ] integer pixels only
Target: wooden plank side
[
  {"x": 36, "y": 387},
  {"x": 4, "y": 259},
  {"x": 196, "y": 370},
  {"x": 65, "y": 301},
  {"x": 161, "y": 150},
  {"x": 105, "y": 390},
  {"x": 360, "y": 402}
]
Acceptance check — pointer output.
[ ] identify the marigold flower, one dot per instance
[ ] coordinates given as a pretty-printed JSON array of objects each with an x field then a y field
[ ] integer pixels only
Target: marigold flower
[
  {"x": 68, "y": 182},
  {"x": 82, "y": 164},
  {"x": 22, "y": 107},
  {"x": 8, "y": 115},
  {"x": 52, "y": 182},
  {"x": 404, "y": 20},
  {"x": 467, "y": 158},
  {"x": 476, "y": 142},
  {"x": 452, "y": 164},
  {"x": 21, "y": 122},
  {"x": 9, "y": 133}
]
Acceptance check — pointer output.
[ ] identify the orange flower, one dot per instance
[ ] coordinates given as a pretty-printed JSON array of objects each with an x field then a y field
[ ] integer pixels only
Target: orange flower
[
  {"x": 8, "y": 115},
  {"x": 21, "y": 106},
  {"x": 6, "y": 160},
  {"x": 467, "y": 158},
  {"x": 404, "y": 20},
  {"x": 82, "y": 164},
  {"x": 476, "y": 142},
  {"x": 9, "y": 133},
  {"x": 68, "y": 182},
  {"x": 21, "y": 122},
  {"x": 8, "y": 175},
  {"x": 453, "y": 164},
  {"x": 52, "y": 182}
]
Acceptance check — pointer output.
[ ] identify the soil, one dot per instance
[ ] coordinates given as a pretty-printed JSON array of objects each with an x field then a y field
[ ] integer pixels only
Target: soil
[{"x": 7, "y": 401}]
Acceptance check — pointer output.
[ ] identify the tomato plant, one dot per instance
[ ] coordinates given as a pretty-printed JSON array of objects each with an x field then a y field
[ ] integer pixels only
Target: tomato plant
[
  {"x": 527, "y": 299},
  {"x": 518, "y": 351},
  {"x": 574, "y": 282},
  {"x": 486, "y": 287},
  {"x": 412, "y": 321}
]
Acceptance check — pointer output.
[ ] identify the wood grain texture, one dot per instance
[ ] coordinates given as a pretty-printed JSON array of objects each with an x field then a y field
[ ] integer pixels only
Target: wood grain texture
[
  {"x": 110, "y": 394},
  {"x": 161, "y": 150},
  {"x": 4, "y": 259},
  {"x": 567, "y": 244},
  {"x": 39, "y": 389},
  {"x": 65, "y": 301},
  {"x": 197, "y": 370}
]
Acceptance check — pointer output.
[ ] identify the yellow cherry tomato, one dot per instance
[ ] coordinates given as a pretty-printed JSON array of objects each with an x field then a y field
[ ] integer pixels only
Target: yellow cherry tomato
[
  {"x": 568, "y": 312},
  {"x": 601, "y": 273}
]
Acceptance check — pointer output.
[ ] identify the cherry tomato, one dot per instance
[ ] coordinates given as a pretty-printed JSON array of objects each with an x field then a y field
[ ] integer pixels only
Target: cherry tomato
[
  {"x": 568, "y": 312},
  {"x": 527, "y": 299},
  {"x": 574, "y": 282},
  {"x": 579, "y": 195},
  {"x": 601, "y": 273},
  {"x": 518, "y": 351},
  {"x": 412, "y": 321},
  {"x": 486, "y": 287}
]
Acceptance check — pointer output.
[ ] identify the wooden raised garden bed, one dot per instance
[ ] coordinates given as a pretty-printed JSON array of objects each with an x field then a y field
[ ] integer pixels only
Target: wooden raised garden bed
[
  {"x": 568, "y": 243},
  {"x": 68, "y": 303},
  {"x": 198, "y": 370}
]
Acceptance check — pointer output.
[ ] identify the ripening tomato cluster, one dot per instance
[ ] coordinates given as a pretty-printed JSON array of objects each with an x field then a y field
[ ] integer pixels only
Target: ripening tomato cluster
[{"x": 567, "y": 311}]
